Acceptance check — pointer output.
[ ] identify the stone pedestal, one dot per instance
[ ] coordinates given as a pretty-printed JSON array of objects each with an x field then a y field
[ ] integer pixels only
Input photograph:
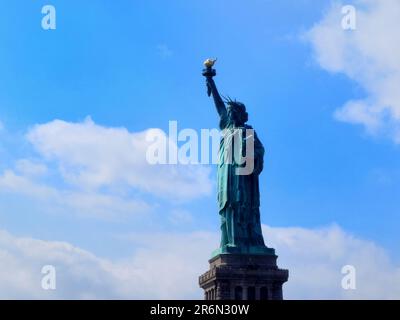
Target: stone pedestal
[{"x": 243, "y": 277}]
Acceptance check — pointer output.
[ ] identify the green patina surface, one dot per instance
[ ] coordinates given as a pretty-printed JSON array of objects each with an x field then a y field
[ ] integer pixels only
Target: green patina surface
[{"x": 238, "y": 194}]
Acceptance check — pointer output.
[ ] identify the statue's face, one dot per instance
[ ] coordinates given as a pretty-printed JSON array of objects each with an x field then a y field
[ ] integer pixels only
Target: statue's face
[
  {"x": 235, "y": 115},
  {"x": 232, "y": 112}
]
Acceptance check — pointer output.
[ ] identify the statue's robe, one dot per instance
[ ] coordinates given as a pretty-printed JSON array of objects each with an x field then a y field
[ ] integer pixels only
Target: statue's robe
[{"x": 239, "y": 195}]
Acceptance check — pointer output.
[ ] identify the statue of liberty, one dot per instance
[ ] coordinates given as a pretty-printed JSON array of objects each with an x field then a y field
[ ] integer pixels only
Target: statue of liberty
[{"x": 238, "y": 189}]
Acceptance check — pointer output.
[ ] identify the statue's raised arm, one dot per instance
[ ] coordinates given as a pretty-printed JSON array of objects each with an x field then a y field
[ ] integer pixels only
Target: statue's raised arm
[{"x": 209, "y": 73}]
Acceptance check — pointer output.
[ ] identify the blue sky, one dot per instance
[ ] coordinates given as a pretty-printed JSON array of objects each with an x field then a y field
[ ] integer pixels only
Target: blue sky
[{"x": 137, "y": 65}]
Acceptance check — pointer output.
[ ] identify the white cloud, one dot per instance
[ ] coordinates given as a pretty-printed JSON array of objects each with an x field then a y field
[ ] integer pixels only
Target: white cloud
[
  {"x": 11, "y": 182},
  {"x": 78, "y": 202},
  {"x": 315, "y": 258},
  {"x": 30, "y": 168},
  {"x": 161, "y": 269},
  {"x": 181, "y": 217},
  {"x": 79, "y": 273},
  {"x": 93, "y": 156},
  {"x": 167, "y": 266},
  {"x": 93, "y": 170},
  {"x": 368, "y": 55}
]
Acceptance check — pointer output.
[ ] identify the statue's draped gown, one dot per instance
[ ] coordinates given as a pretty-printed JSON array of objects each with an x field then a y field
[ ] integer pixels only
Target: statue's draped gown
[{"x": 239, "y": 195}]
